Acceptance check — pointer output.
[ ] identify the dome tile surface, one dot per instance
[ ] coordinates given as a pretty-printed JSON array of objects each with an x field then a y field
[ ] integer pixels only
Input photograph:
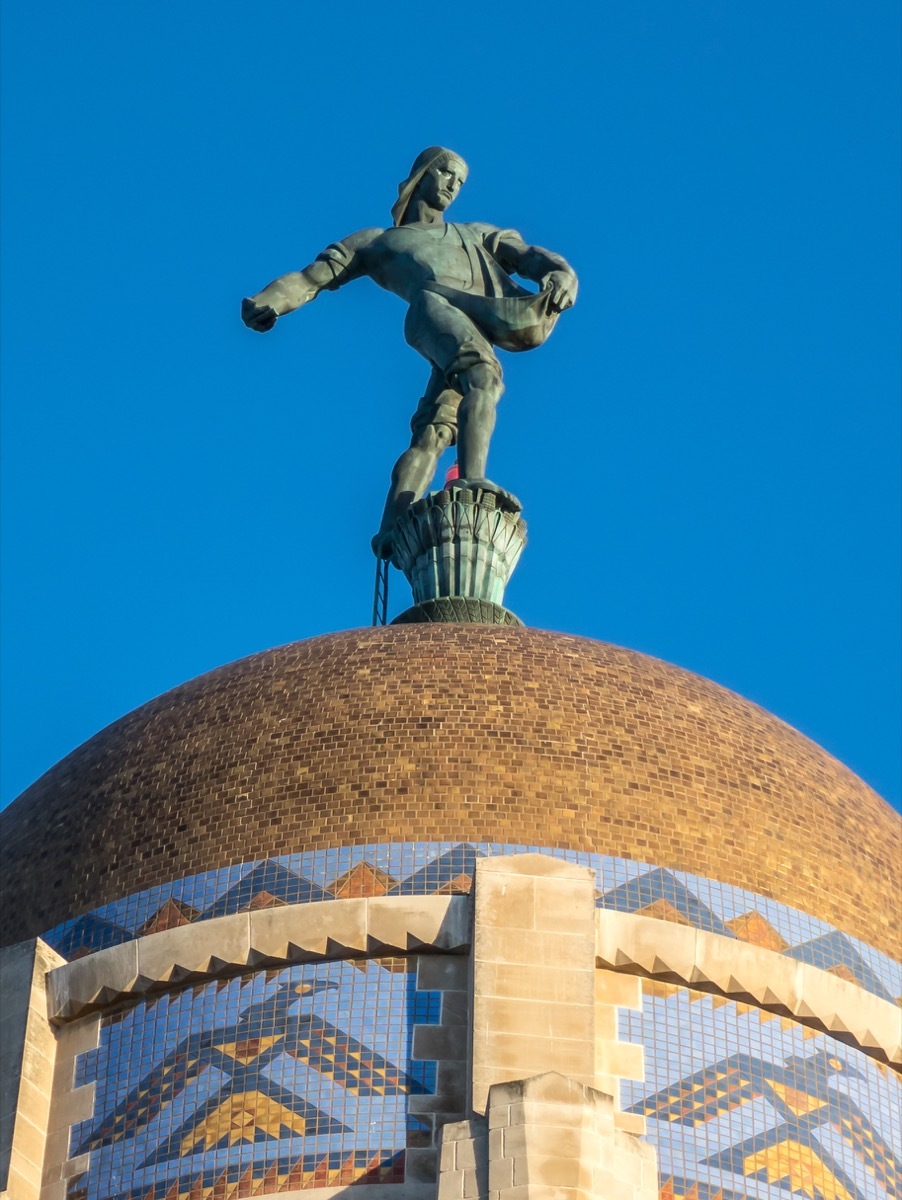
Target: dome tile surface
[{"x": 451, "y": 733}]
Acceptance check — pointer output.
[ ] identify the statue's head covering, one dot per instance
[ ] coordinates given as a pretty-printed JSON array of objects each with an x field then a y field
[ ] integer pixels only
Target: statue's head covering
[{"x": 421, "y": 164}]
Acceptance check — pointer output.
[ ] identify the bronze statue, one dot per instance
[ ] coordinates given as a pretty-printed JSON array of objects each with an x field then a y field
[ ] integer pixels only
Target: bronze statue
[{"x": 462, "y": 302}]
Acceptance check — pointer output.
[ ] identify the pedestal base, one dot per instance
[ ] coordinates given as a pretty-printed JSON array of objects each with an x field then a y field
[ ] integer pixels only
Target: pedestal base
[
  {"x": 462, "y": 609},
  {"x": 457, "y": 548}
]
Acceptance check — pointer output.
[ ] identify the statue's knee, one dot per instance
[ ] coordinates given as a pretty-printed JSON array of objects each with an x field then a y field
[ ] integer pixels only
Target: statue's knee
[
  {"x": 484, "y": 377},
  {"x": 431, "y": 440},
  {"x": 444, "y": 436}
]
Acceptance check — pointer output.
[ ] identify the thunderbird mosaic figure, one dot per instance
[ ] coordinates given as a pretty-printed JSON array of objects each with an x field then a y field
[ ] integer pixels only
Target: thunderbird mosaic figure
[{"x": 463, "y": 305}]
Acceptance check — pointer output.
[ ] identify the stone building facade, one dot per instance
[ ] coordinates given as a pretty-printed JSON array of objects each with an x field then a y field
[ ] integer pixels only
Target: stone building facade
[{"x": 457, "y": 912}]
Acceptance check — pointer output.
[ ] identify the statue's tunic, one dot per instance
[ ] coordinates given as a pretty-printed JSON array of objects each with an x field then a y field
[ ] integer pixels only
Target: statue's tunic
[{"x": 462, "y": 299}]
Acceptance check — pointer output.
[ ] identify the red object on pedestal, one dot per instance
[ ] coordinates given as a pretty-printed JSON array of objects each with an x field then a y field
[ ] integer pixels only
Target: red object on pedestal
[{"x": 452, "y": 474}]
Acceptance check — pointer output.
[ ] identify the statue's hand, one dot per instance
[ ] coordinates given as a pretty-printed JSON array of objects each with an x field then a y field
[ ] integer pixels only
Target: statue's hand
[
  {"x": 562, "y": 286},
  {"x": 258, "y": 316}
]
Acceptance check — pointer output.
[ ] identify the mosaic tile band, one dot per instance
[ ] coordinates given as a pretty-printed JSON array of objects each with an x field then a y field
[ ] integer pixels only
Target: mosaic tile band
[
  {"x": 306, "y": 1077},
  {"x": 427, "y": 868}
]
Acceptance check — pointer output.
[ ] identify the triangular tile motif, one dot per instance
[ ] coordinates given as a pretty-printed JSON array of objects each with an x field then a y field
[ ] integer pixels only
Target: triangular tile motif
[
  {"x": 657, "y": 885},
  {"x": 460, "y": 885},
  {"x": 256, "y": 1118},
  {"x": 870, "y": 1148},
  {"x": 269, "y": 1181},
  {"x": 841, "y": 971},
  {"x": 379, "y": 1170},
  {"x": 663, "y": 910},
  {"x": 753, "y": 928},
  {"x": 247, "y": 1049},
  {"x": 86, "y": 934},
  {"x": 248, "y": 1117},
  {"x": 362, "y": 880},
  {"x": 834, "y": 950},
  {"x": 263, "y": 899},
  {"x": 698, "y": 1098},
  {"x": 243, "y": 1186},
  {"x": 446, "y": 868},
  {"x": 272, "y": 878},
  {"x": 170, "y": 915}
]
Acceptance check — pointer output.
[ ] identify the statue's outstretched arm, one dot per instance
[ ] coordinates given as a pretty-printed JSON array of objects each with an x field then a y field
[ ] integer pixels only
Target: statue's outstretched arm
[
  {"x": 552, "y": 272},
  {"x": 338, "y": 264},
  {"x": 284, "y": 295}
]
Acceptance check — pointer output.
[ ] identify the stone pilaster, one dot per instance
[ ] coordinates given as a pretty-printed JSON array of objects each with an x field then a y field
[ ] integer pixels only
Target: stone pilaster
[
  {"x": 27, "y": 1059},
  {"x": 534, "y": 1003},
  {"x": 545, "y": 1138}
]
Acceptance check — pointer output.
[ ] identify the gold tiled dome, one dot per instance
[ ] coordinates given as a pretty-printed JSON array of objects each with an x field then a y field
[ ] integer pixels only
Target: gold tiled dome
[{"x": 451, "y": 733}]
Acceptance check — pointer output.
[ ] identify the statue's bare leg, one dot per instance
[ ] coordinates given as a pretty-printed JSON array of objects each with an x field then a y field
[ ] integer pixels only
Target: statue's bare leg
[
  {"x": 479, "y": 388},
  {"x": 410, "y": 478},
  {"x": 482, "y": 389}
]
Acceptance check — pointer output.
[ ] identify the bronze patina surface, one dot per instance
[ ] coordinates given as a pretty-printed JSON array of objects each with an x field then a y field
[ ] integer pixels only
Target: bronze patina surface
[{"x": 462, "y": 304}]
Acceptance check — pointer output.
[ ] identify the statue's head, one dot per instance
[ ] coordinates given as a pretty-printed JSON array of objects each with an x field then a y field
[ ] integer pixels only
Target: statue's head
[{"x": 437, "y": 175}]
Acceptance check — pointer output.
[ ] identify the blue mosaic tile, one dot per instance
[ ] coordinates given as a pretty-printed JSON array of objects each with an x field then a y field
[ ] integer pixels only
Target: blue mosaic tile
[
  {"x": 784, "y": 1110},
  {"x": 291, "y": 1073},
  {"x": 836, "y": 950}
]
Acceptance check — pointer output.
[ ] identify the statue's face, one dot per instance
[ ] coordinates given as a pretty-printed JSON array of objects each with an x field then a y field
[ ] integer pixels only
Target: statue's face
[{"x": 442, "y": 182}]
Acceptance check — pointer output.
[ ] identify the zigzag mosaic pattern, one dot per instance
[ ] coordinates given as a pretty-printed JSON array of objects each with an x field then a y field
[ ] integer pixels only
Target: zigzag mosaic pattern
[
  {"x": 428, "y": 868},
  {"x": 281, "y": 1080},
  {"x": 742, "y": 1104}
]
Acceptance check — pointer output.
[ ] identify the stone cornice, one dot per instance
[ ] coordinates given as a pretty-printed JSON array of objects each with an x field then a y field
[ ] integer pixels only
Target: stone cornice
[
  {"x": 397, "y": 926},
  {"x": 298, "y": 933},
  {"x": 738, "y": 971}
]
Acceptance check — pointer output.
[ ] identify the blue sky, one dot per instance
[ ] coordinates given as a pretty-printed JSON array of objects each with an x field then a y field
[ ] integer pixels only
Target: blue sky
[{"x": 707, "y": 448}]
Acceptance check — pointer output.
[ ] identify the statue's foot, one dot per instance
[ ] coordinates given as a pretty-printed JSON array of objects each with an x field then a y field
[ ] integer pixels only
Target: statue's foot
[
  {"x": 382, "y": 544},
  {"x": 506, "y": 500}
]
